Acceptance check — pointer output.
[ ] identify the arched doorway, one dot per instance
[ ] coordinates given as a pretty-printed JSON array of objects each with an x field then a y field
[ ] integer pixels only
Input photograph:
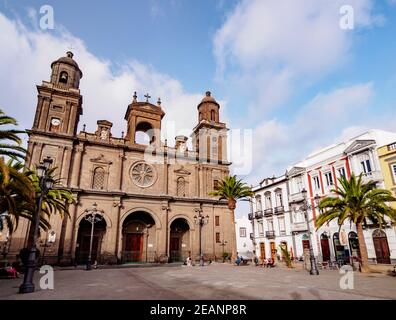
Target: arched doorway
[
  {"x": 84, "y": 238},
  {"x": 324, "y": 243},
  {"x": 179, "y": 240},
  {"x": 138, "y": 238},
  {"x": 381, "y": 246},
  {"x": 339, "y": 249},
  {"x": 354, "y": 244}
]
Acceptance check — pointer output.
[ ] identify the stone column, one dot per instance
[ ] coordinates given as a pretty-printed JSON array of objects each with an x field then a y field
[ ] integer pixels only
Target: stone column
[
  {"x": 76, "y": 168},
  {"x": 65, "y": 176},
  {"x": 120, "y": 169}
]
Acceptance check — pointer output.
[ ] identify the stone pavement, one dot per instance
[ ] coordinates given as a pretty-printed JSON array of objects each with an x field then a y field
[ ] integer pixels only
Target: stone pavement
[{"x": 213, "y": 282}]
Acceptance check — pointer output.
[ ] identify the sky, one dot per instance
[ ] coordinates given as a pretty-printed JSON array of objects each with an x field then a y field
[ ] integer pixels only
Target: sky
[{"x": 285, "y": 72}]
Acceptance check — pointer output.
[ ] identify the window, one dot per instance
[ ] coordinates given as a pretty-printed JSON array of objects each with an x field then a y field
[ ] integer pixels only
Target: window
[
  {"x": 298, "y": 184},
  {"x": 63, "y": 77},
  {"x": 270, "y": 225},
  {"x": 261, "y": 228},
  {"x": 278, "y": 195},
  {"x": 98, "y": 178},
  {"x": 329, "y": 179},
  {"x": 341, "y": 172},
  {"x": 216, "y": 184},
  {"x": 316, "y": 182},
  {"x": 212, "y": 115},
  {"x": 282, "y": 226},
  {"x": 242, "y": 232},
  {"x": 218, "y": 237},
  {"x": 366, "y": 166},
  {"x": 394, "y": 172},
  {"x": 259, "y": 206},
  {"x": 217, "y": 221},
  {"x": 200, "y": 116},
  {"x": 268, "y": 204},
  {"x": 181, "y": 187}
]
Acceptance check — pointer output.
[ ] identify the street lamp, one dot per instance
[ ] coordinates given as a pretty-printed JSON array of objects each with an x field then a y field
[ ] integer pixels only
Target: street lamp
[
  {"x": 305, "y": 207},
  {"x": 201, "y": 221},
  {"x": 92, "y": 216},
  {"x": 223, "y": 244},
  {"x": 46, "y": 183}
]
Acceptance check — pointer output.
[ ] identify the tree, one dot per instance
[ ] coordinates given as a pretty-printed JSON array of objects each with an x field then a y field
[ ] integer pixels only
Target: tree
[
  {"x": 10, "y": 142},
  {"x": 232, "y": 189},
  {"x": 357, "y": 202},
  {"x": 16, "y": 191}
]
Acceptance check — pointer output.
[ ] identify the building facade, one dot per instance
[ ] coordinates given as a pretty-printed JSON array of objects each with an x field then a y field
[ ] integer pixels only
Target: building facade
[
  {"x": 150, "y": 195},
  {"x": 369, "y": 154},
  {"x": 243, "y": 229}
]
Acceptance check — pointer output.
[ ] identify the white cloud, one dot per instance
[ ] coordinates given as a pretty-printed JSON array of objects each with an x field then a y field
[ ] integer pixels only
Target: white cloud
[{"x": 106, "y": 94}]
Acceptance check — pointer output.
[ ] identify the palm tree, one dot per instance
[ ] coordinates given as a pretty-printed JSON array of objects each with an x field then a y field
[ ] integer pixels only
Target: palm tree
[
  {"x": 13, "y": 149},
  {"x": 56, "y": 200},
  {"x": 16, "y": 191},
  {"x": 357, "y": 202},
  {"x": 232, "y": 189}
]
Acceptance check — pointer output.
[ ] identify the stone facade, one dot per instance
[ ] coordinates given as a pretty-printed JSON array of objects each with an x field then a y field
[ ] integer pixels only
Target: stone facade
[{"x": 149, "y": 194}]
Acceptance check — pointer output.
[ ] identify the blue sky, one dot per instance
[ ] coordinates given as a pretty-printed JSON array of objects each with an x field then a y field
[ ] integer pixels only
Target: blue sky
[{"x": 282, "y": 69}]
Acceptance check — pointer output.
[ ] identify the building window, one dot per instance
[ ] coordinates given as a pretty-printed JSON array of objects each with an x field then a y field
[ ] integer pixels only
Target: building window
[
  {"x": 98, "y": 178},
  {"x": 200, "y": 116},
  {"x": 394, "y": 172},
  {"x": 242, "y": 232},
  {"x": 341, "y": 172},
  {"x": 63, "y": 77},
  {"x": 261, "y": 228},
  {"x": 212, "y": 115},
  {"x": 259, "y": 206},
  {"x": 217, "y": 221},
  {"x": 329, "y": 179},
  {"x": 181, "y": 187},
  {"x": 270, "y": 225},
  {"x": 278, "y": 196},
  {"x": 316, "y": 182},
  {"x": 218, "y": 237},
  {"x": 366, "y": 166},
  {"x": 268, "y": 202},
  {"x": 282, "y": 226},
  {"x": 216, "y": 184}
]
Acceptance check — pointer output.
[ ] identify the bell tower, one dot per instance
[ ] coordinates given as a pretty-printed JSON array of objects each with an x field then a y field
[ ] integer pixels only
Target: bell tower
[
  {"x": 59, "y": 105},
  {"x": 210, "y": 135}
]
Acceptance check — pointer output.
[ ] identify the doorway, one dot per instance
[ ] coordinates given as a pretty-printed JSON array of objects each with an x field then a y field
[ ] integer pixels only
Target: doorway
[
  {"x": 381, "y": 247},
  {"x": 262, "y": 250},
  {"x": 273, "y": 250},
  {"x": 324, "y": 243},
  {"x": 179, "y": 240}
]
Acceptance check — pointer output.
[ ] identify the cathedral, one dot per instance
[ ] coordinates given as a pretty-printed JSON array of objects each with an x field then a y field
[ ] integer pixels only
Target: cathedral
[{"x": 152, "y": 199}]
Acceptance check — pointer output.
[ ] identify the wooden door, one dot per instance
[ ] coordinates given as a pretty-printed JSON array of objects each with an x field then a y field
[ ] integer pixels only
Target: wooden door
[
  {"x": 262, "y": 250},
  {"x": 175, "y": 249},
  {"x": 382, "y": 250},
  {"x": 273, "y": 250},
  {"x": 325, "y": 249},
  {"x": 134, "y": 246}
]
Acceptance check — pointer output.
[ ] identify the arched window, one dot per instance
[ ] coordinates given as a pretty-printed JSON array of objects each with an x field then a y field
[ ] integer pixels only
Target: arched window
[
  {"x": 268, "y": 202},
  {"x": 144, "y": 133},
  {"x": 63, "y": 77},
  {"x": 181, "y": 187},
  {"x": 200, "y": 116},
  {"x": 259, "y": 205},
  {"x": 98, "y": 178},
  {"x": 212, "y": 115},
  {"x": 278, "y": 197}
]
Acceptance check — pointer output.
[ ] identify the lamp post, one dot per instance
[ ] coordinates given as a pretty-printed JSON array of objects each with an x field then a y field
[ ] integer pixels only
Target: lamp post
[
  {"x": 92, "y": 216},
  {"x": 201, "y": 221},
  {"x": 223, "y": 244},
  {"x": 46, "y": 183},
  {"x": 314, "y": 268}
]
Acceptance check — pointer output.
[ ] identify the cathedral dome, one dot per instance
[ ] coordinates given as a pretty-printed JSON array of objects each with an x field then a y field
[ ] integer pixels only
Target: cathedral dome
[
  {"x": 67, "y": 60},
  {"x": 208, "y": 99}
]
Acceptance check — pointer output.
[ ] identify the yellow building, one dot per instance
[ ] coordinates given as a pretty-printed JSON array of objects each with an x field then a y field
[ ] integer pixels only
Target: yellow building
[{"x": 387, "y": 156}]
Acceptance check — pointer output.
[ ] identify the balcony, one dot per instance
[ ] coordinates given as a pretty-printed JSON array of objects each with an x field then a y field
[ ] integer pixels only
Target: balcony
[
  {"x": 279, "y": 210},
  {"x": 268, "y": 212},
  {"x": 259, "y": 214},
  {"x": 250, "y": 216},
  {"x": 299, "y": 227},
  {"x": 270, "y": 234},
  {"x": 392, "y": 147},
  {"x": 296, "y": 197},
  {"x": 372, "y": 176}
]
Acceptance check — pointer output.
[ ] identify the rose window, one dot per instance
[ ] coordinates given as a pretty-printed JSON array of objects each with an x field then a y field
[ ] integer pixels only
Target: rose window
[{"x": 143, "y": 174}]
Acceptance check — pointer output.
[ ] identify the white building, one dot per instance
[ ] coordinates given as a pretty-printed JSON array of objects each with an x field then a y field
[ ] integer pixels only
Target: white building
[
  {"x": 243, "y": 229},
  {"x": 318, "y": 174},
  {"x": 271, "y": 217}
]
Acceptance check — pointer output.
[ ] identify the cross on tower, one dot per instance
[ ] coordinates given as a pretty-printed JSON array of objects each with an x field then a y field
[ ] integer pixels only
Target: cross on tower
[{"x": 147, "y": 96}]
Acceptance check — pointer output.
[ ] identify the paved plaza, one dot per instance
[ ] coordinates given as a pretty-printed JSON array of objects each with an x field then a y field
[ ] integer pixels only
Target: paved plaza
[{"x": 216, "y": 281}]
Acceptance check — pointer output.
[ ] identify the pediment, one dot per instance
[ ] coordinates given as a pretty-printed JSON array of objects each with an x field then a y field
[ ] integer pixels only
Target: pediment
[
  {"x": 182, "y": 171},
  {"x": 295, "y": 171},
  {"x": 358, "y": 145},
  {"x": 101, "y": 159}
]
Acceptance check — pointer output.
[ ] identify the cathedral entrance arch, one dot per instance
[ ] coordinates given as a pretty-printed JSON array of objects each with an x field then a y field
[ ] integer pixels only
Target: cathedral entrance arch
[
  {"x": 84, "y": 238},
  {"x": 179, "y": 243},
  {"x": 138, "y": 238}
]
